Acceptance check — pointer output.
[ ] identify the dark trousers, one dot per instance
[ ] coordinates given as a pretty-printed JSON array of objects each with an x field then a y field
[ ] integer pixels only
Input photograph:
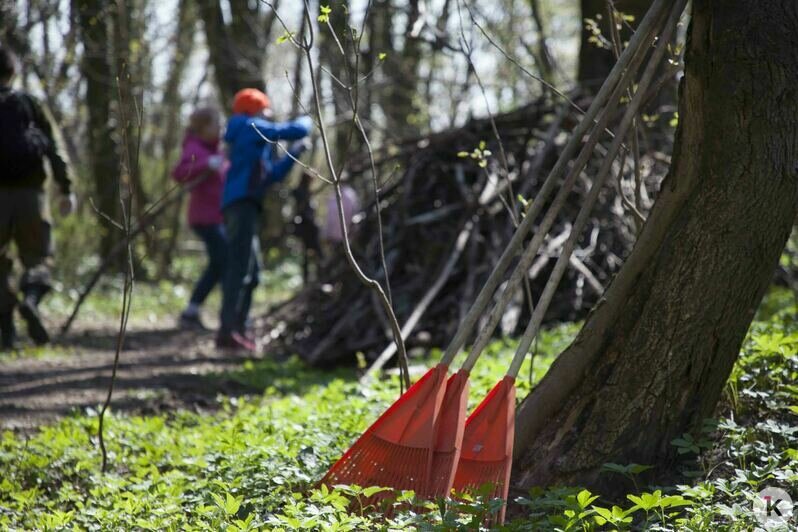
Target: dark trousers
[
  {"x": 215, "y": 240},
  {"x": 242, "y": 269},
  {"x": 24, "y": 221}
]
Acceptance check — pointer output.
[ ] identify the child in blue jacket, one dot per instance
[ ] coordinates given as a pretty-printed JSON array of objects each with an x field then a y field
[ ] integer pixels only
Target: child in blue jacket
[{"x": 255, "y": 164}]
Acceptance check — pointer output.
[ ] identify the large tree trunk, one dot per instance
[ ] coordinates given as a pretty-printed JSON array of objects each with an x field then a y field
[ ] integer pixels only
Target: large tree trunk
[{"x": 653, "y": 357}]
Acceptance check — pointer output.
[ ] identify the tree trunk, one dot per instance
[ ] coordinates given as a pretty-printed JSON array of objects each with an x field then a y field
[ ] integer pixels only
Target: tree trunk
[
  {"x": 338, "y": 67},
  {"x": 238, "y": 48},
  {"x": 542, "y": 54},
  {"x": 184, "y": 41},
  {"x": 595, "y": 52},
  {"x": 10, "y": 32},
  {"x": 401, "y": 106},
  {"x": 97, "y": 70},
  {"x": 131, "y": 75},
  {"x": 652, "y": 359}
]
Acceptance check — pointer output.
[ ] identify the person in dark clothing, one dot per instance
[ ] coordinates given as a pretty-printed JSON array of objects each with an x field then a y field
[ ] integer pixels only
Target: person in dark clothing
[{"x": 26, "y": 140}]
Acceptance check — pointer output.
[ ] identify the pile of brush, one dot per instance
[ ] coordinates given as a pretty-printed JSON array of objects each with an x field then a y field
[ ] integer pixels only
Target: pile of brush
[{"x": 449, "y": 204}]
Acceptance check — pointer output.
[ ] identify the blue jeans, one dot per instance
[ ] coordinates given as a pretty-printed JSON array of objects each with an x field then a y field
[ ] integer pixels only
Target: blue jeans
[
  {"x": 241, "y": 220},
  {"x": 213, "y": 236}
]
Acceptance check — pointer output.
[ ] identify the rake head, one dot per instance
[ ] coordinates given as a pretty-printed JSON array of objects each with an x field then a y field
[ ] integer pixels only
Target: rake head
[
  {"x": 487, "y": 454},
  {"x": 448, "y": 436},
  {"x": 397, "y": 450}
]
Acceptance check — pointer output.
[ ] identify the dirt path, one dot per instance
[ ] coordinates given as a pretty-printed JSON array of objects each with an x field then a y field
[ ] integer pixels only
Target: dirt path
[{"x": 161, "y": 369}]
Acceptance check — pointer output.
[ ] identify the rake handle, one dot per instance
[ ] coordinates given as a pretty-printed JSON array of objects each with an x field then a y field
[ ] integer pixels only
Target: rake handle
[
  {"x": 617, "y": 74},
  {"x": 582, "y": 218},
  {"x": 521, "y": 269}
]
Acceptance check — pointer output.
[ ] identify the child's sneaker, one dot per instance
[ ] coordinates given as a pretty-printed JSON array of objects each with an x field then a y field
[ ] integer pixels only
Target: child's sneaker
[{"x": 235, "y": 341}]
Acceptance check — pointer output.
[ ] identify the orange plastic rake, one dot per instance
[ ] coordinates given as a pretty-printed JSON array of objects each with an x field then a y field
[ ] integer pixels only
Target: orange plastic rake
[
  {"x": 448, "y": 437},
  {"x": 488, "y": 437},
  {"x": 397, "y": 451},
  {"x": 487, "y": 452},
  {"x": 416, "y": 443}
]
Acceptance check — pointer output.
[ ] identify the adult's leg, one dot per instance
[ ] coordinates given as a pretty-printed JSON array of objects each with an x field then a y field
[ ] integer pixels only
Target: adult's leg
[
  {"x": 32, "y": 235},
  {"x": 213, "y": 236},
  {"x": 7, "y": 296}
]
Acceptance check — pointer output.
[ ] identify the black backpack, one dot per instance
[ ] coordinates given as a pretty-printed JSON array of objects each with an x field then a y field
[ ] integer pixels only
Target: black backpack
[{"x": 23, "y": 144}]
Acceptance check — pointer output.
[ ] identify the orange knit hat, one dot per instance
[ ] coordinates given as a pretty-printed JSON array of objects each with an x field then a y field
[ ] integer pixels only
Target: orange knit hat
[{"x": 250, "y": 102}]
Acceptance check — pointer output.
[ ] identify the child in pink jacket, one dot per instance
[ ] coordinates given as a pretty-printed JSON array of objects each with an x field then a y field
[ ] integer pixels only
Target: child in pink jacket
[{"x": 202, "y": 167}]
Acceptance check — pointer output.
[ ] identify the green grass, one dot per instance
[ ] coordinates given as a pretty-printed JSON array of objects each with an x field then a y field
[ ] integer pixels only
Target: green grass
[{"x": 253, "y": 464}]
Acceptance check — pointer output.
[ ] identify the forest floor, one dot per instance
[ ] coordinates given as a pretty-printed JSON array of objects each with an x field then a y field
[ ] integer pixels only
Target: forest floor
[
  {"x": 162, "y": 367},
  {"x": 161, "y": 370},
  {"x": 202, "y": 440}
]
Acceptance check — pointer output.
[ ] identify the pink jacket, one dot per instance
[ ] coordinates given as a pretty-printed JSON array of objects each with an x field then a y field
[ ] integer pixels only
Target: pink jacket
[{"x": 205, "y": 202}]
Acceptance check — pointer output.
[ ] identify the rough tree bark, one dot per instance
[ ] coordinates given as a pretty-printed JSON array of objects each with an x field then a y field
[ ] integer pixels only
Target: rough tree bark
[
  {"x": 96, "y": 68},
  {"x": 653, "y": 357},
  {"x": 595, "y": 60}
]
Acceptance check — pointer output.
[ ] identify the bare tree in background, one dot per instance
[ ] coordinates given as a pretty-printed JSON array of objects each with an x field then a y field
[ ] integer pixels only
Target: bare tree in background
[
  {"x": 335, "y": 50},
  {"x": 131, "y": 67},
  {"x": 96, "y": 66},
  {"x": 170, "y": 120},
  {"x": 399, "y": 99},
  {"x": 238, "y": 46}
]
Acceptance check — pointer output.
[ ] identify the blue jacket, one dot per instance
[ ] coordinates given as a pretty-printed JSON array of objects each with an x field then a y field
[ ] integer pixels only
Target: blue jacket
[{"x": 253, "y": 162}]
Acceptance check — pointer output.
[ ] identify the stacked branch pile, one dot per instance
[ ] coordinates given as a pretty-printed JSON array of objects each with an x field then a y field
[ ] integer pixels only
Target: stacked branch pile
[{"x": 447, "y": 203}]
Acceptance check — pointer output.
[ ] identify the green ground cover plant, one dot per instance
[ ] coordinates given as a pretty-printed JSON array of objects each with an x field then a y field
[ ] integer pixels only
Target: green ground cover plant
[{"x": 253, "y": 463}]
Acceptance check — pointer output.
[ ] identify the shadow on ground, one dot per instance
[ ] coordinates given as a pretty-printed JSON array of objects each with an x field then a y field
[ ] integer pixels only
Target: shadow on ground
[{"x": 160, "y": 370}]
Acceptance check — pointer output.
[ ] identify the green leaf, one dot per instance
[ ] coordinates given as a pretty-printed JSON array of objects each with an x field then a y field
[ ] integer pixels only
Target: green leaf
[
  {"x": 232, "y": 504},
  {"x": 287, "y": 36},
  {"x": 584, "y": 497},
  {"x": 604, "y": 513},
  {"x": 368, "y": 492},
  {"x": 324, "y": 17}
]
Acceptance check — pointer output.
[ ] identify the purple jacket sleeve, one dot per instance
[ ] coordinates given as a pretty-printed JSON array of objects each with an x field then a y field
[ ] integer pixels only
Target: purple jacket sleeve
[{"x": 192, "y": 164}]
